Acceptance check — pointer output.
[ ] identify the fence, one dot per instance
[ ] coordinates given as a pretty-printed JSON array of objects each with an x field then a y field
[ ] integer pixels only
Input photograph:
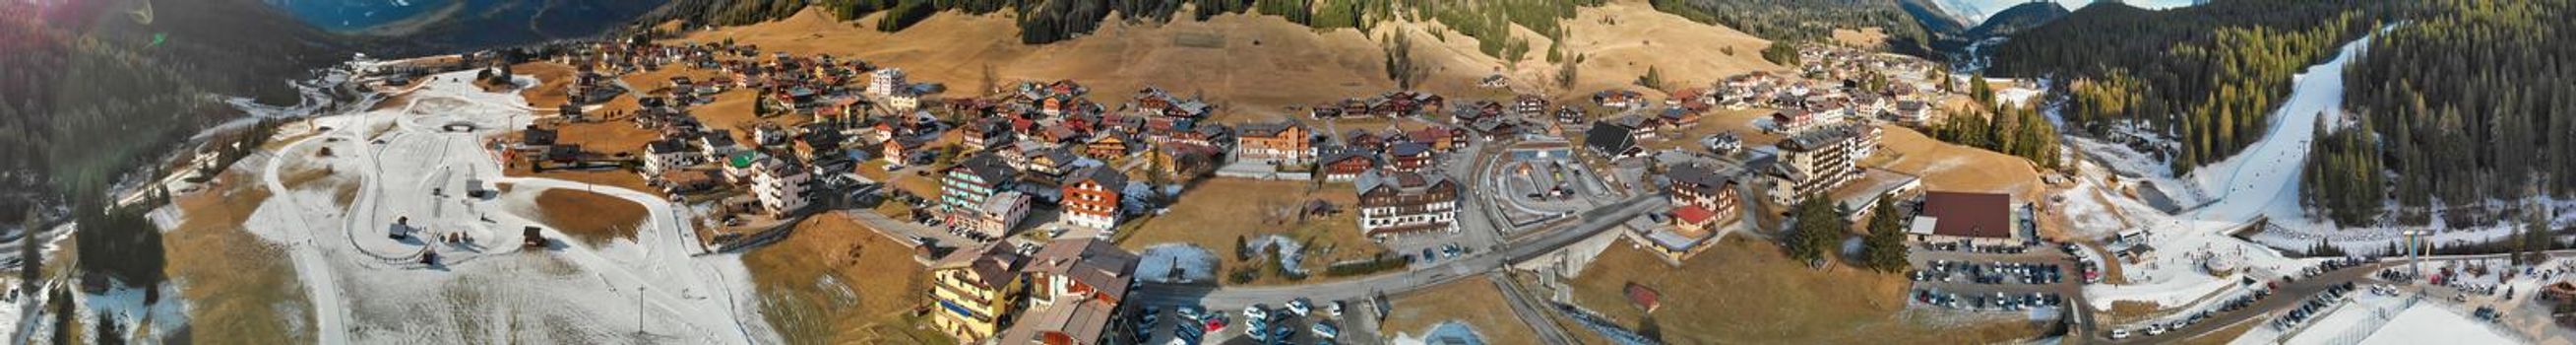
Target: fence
[{"x": 2379, "y": 317}]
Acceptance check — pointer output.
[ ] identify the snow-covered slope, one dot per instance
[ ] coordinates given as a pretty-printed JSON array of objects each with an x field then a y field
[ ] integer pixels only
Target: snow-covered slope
[
  {"x": 1976, "y": 11},
  {"x": 412, "y": 166}
]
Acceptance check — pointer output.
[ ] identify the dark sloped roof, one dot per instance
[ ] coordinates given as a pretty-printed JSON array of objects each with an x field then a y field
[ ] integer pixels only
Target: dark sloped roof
[
  {"x": 1109, "y": 178},
  {"x": 1969, "y": 214},
  {"x": 1609, "y": 137},
  {"x": 1698, "y": 178},
  {"x": 987, "y": 167}
]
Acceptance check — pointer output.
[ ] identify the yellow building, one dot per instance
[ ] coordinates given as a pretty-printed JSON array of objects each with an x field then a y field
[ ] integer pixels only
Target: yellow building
[{"x": 976, "y": 289}]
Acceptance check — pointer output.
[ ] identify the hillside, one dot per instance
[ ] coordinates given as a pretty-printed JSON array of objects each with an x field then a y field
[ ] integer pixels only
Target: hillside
[
  {"x": 1259, "y": 64},
  {"x": 2206, "y": 76},
  {"x": 94, "y": 89},
  {"x": 2017, "y": 18},
  {"x": 1951, "y": 31}
]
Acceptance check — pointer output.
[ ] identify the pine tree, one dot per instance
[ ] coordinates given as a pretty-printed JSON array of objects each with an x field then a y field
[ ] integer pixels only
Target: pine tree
[{"x": 1885, "y": 248}]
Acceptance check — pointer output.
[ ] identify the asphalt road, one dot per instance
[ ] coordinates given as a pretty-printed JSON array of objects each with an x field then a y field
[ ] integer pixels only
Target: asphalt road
[
  {"x": 2289, "y": 296},
  {"x": 1443, "y": 271}
]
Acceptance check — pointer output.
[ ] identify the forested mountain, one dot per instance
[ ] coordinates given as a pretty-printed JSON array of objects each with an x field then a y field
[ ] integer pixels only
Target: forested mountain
[
  {"x": 2466, "y": 103},
  {"x": 1795, "y": 20},
  {"x": 2206, "y": 76},
  {"x": 91, "y": 89},
  {"x": 1950, "y": 37},
  {"x": 1933, "y": 18},
  {"x": 2016, "y": 18}
]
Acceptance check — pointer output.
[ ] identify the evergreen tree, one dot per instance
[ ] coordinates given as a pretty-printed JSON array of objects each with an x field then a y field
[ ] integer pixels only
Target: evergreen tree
[
  {"x": 1885, "y": 249},
  {"x": 1818, "y": 227}
]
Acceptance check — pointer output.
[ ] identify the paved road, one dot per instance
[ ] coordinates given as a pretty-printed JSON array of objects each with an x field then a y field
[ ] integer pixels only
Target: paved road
[
  {"x": 1227, "y": 298},
  {"x": 2289, "y": 296}
]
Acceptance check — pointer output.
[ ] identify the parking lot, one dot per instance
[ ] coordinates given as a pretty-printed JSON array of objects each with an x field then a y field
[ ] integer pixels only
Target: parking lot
[
  {"x": 1992, "y": 279},
  {"x": 1297, "y": 321}
]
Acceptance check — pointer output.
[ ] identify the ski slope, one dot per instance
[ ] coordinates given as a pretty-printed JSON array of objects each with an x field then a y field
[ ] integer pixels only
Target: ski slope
[{"x": 410, "y": 163}]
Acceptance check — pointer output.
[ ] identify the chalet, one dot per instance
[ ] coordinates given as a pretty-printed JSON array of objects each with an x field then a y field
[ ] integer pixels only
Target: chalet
[
  {"x": 1491, "y": 109},
  {"x": 1702, "y": 187},
  {"x": 1620, "y": 99},
  {"x": 1091, "y": 198},
  {"x": 1078, "y": 295},
  {"x": 1284, "y": 142},
  {"x": 1396, "y": 202},
  {"x": 814, "y": 145},
  {"x": 718, "y": 143},
  {"x": 902, "y": 149},
  {"x": 662, "y": 155},
  {"x": 1440, "y": 139},
  {"x": 1722, "y": 143},
  {"x": 1677, "y": 118},
  {"x": 1358, "y": 139},
  {"x": 976, "y": 288},
  {"x": 1410, "y": 157},
  {"x": 1354, "y": 107},
  {"x": 1569, "y": 115},
  {"x": 1049, "y": 161},
  {"x": 1345, "y": 166},
  {"x": 1529, "y": 105},
  {"x": 1495, "y": 127},
  {"x": 1107, "y": 145},
  {"x": 1794, "y": 120},
  {"x": 1911, "y": 112},
  {"x": 1185, "y": 161},
  {"x": 1428, "y": 103},
  {"x": 842, "y": 110},
  {"x": 1611, "y": 140}
]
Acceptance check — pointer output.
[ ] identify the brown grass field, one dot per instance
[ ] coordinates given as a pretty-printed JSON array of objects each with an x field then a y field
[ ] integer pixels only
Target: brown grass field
[
  {"x": 1747, "y": 291},
  {"x": 610, "y": 177},
  {"x": 1952, "y": 167},
  {"x": 1219, "y": 210},
  {"x": 873, "y": 283},
  {"x": 1475, "y": 302},
  {"x": 1870, "y": 37},
  {"x": 592, "y": 217},
  {"x": 551, "y": 79},
  {"x": 240, "y": 289},
  {"x": 1261, "y": 63}
]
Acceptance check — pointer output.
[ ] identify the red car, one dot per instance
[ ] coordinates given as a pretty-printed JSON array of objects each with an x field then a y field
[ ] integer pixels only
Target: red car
[{"x": 1215, "y": 324}]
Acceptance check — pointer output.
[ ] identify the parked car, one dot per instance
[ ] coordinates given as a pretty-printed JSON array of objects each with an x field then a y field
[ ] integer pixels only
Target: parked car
[{"x": 1299, "y": 306}]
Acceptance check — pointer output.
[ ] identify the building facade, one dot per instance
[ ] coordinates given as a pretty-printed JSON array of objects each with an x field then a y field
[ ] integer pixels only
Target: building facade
[
  {"x": 1815, "y": 162},
  {"x": 976, "y": 290},
  {"x": 1091, "y": 197},
  {"x": 964, "y": 188},
  {"x": 1284, "y": 141},
  {"x": 1396, "y": 202},
  {"x": 1078, "y": 296}
]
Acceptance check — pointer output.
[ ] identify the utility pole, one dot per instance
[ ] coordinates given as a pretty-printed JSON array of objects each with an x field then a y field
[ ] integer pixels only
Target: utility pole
[{"x": 639, "y": 310}]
